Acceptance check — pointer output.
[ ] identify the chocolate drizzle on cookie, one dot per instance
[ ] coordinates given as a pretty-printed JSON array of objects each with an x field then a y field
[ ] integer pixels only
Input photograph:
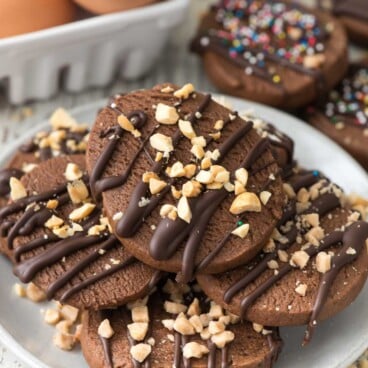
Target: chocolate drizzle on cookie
[
  {"x": 61, "y": 140},
  {"x": 5, "y": 176},
  {"x": 55, "y": 249},
  {"x": 98, "y": 185},
  {"x": 292, "y": 228},
  {"x": 129, "y": 224},
  {"x": 169, "y": 234},
  {"x": 156, "y": 312},
  {"x": 353, "y": 240},
  {"x": 255, "y": 36}
]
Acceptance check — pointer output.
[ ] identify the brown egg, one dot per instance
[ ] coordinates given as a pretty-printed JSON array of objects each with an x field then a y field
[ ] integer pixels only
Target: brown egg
[
  {"x": 111, "y": 6},
  {"x": 23, "y": 16}
]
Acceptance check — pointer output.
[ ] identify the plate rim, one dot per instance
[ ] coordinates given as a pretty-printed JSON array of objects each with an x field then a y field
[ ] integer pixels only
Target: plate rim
[{"x": 24, "y": 355}]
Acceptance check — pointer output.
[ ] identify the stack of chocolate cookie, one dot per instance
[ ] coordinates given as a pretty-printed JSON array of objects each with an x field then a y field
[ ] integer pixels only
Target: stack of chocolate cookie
[
  {"x": 186, "y": 234},
  {"x": 285, "y": 55}
]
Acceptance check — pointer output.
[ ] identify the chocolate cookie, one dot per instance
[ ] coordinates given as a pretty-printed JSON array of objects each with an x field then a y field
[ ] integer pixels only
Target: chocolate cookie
[
  {"x": 314, "y": 266},
  {"x": 354, "y": 16},
  {"x": 66, "y": 137},
  {"x": 58, "y": 239},
  {"x": 277, "y": 53},
  {"x": 167, "y": 162},
  {"x": 344, "y": 116},
  {"x": 175, "y": 331}
]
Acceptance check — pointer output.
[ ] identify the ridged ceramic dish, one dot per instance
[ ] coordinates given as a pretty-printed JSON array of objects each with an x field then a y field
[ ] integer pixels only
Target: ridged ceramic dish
[{"x": 88, "y": 53}]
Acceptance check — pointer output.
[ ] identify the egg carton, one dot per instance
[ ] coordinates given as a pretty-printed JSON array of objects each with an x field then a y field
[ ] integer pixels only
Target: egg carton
[{"x": 87, "y": 53}]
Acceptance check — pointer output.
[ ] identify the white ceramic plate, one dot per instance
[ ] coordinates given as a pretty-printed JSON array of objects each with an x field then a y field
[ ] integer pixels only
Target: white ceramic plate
[{"x": 337, "y": 343}]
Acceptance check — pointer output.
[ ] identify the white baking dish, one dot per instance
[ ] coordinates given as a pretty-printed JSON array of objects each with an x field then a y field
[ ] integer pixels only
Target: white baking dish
[{"x": 89, "y": 52}]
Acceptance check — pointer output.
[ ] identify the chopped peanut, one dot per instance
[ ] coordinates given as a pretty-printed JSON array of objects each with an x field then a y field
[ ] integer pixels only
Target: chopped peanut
[
  {"x": 82, "y": 212},
  {"x": 301, "y": 289},
  {"x": 138, "y": 330},
  {"x": 156, "y": 186},
  {"x": 223, "y": 338},
  {"x": 185, "y": 91},
  {"x": 184, "y": 211},
  {"x": 299, "y": 258},
  {"x": 323, "y": 262},
  {"x": 194, "y": 350},
  {"x": 241, "y": 231},
  {"x": 245, "y": 202},
  {"x": 73, "y": 172},
  {"x": 161, "y": 142},
  {"x": 17, "y": 190},
  {"x": 140, "y": 351},
  {"x": 186, "y": 129},
  {"x": 166, "y": 115},
  {"x": 78, "y": 191}
]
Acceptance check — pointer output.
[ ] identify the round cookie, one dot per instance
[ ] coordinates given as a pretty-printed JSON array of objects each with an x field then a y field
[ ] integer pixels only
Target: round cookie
[
  {"x": 111, "y": 6},
  {"x": 65, "y": 137},
  {"x": 142, "y": 170},
  {"x": 175, "y": 344},
  {"x": 297, "y": 280},
  {"x": 344, "y": 116},
  {"x": 277, "y": 53},
  {"x": 58, "y": 239},
  {"x": 353, "y": 14}
]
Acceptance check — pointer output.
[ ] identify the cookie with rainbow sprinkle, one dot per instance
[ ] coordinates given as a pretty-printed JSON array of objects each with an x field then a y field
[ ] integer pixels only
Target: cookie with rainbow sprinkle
[
  {"x": 277, "y": 53},
  {"x": 344, "y": 116}
]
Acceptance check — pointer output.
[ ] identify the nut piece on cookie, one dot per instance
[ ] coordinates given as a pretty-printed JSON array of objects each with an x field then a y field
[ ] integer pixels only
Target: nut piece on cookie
[
  {"x": 161, "y": 142},
  {"x": 223, "y": 338},
  {"x": 105, "y": 330},
  {"x": 301, "y": 289},
  {"x": 184, "y": 92},
  {"x": 73, "y": 172},
  {"x": 245, "y": 202},
  {"x": 166, "y": 115},
  {"x": 174, "y": 308},
  {"x": 194, "y": 350},
  {"x": 138, "y": 330},
  {"x": 241, "y": 231},
  {"x": 82, "y": 212},
  {"x": 125, "y": 123},
  {"x": 323, "y": 262},
  {"x": 299, "y": 259},
  {"x": 156, "y": 186},
  {"x": 183, "y": 326},
  {"x": 140, "y": 314},
  {"x": 184, "y": 211},
  {"x": 17, "y": 190},
  {"x": 186, "y": 129},
  {"x": 78, "y": 191},
  {"x": 140, "y": 352}
]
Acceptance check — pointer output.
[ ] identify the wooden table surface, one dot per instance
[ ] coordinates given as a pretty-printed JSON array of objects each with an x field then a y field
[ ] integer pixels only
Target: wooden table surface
[{"x": 175, "y": 65}]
